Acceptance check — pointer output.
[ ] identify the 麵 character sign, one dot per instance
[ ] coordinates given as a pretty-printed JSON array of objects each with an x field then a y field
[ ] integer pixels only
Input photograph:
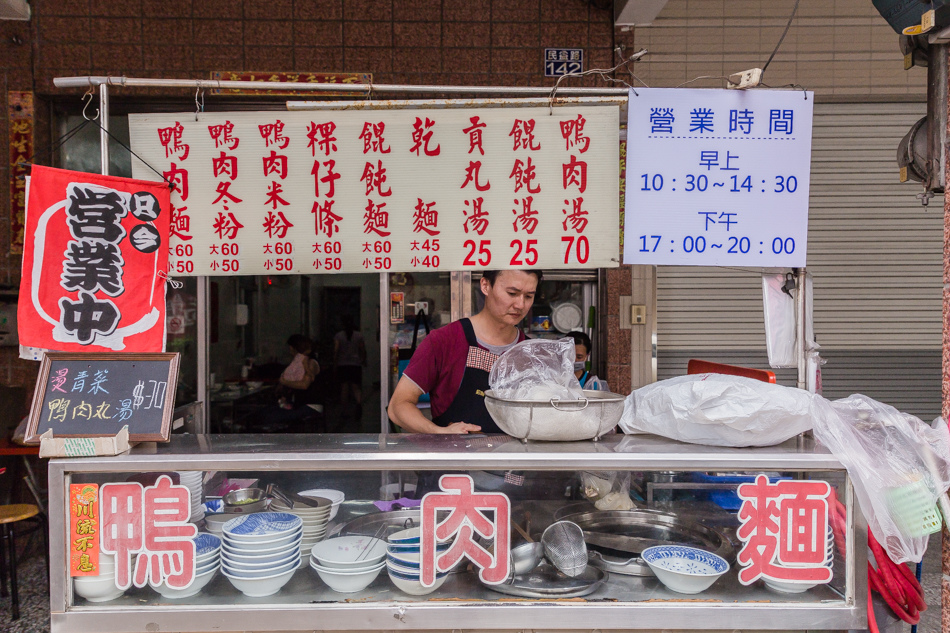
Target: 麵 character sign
[
  {"x": 468, "y": 516},
  {"x": 784, "y": 531}
]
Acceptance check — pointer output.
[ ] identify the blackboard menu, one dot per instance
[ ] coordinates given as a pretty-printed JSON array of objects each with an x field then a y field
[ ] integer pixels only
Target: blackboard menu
[{"x": 95, "y": 395}]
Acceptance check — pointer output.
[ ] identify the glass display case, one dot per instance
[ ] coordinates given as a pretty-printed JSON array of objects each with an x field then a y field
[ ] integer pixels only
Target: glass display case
[{"x": 669, "y": 494}]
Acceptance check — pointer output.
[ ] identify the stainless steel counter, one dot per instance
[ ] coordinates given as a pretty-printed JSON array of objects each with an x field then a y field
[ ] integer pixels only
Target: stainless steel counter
[{"x": 623, "y": 603}]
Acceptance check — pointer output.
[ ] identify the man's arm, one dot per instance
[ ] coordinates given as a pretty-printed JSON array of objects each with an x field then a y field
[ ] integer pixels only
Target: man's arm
[{"x": 404, "y": 412}]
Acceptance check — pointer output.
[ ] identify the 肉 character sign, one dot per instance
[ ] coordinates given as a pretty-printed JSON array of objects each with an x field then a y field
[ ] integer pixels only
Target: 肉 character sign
[
  {"x": 262, "y": 193},
  {"x": 718, "y": 177},
  {"x": 784, "y": 530},
  {"x": 470, "y": 515},
  {"x": 94, "y": 263}
]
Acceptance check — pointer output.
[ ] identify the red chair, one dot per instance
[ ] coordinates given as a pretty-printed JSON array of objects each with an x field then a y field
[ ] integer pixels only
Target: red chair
[{"x": 697, "y": 366}]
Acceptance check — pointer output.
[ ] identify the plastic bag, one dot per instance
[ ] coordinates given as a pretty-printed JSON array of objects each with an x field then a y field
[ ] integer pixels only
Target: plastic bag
[
  {"x": 607, "y": 490},
  {"x": 719, "y": 410},
  {"x": 898, "y": 466},
  {"x": 538, "y": 369}
]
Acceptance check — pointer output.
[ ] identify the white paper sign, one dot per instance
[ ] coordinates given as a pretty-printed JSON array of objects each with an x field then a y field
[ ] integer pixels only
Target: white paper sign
[
  {"x": 718, "y": 177},
  {"x": 397, "y": 190}
]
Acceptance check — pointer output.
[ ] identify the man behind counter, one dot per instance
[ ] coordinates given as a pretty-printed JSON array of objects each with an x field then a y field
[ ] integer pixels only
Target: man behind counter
[{"x": 453, "y": 362}]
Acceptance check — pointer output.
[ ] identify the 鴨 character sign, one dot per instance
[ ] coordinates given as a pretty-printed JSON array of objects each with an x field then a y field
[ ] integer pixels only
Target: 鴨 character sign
[{"x": 466, "y": 518}]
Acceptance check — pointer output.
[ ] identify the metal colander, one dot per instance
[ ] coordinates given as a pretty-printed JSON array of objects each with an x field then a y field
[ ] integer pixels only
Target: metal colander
[{"x": 564, "y": 546}]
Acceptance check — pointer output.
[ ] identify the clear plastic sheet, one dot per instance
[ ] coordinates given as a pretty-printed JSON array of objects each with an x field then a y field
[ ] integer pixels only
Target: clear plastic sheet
[
  {"x": 899, "y": 467},
  {"x": 719, "y": 410},
  {"x": 538, "y": 369}
]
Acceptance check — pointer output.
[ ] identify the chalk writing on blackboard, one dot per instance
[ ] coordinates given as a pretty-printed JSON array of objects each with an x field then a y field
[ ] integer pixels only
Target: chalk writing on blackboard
[{"x": 95, "y": 395}]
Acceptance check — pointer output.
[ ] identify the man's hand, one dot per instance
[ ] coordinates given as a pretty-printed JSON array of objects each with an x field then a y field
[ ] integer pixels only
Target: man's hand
[{"x": 460, "y": 428}]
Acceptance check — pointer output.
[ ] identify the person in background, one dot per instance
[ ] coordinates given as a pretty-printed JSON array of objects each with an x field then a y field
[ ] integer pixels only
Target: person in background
[
  {"x": 452, "y": 363},
  {"x": 300, "y": 374},
  {"x": 582, "y": 348},
  {"x": 349, "y": 358}
]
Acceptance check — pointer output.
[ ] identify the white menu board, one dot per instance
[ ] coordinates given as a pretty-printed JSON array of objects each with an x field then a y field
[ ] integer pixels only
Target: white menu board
[
  {"x": 718, "y": 177},
  {"x": 395, "y": 190}
]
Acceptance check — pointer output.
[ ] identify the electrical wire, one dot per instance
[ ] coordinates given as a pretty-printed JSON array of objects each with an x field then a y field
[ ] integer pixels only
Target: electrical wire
[
  {"x": 782, "y": 39},
  {"x": 894, "y": 582}
]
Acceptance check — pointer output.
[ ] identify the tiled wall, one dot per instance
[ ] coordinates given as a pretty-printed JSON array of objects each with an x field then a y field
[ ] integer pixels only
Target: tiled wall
[{"x": 838, "y": 48}]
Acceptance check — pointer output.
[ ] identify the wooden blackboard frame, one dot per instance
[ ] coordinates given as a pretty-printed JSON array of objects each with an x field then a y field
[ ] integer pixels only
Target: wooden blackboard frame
[{"x": 42, "y": 381}]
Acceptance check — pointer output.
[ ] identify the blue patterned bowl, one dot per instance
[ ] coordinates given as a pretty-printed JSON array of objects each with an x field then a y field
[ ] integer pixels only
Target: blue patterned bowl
[
  {"x": 261, "y": 526},
  {"x": 684, "y": 569},
  {"x": 206, "y": 545}
]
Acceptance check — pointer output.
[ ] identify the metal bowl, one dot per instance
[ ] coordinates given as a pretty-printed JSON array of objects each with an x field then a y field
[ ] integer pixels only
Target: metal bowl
[
  {"x": 245, "y": 501},
  {"x": 557, "y": 420}
]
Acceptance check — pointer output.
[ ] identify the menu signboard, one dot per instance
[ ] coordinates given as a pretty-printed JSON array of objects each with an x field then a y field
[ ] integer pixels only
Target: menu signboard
[
  {"x": 95, "y": 395},
  {"x": 401, "y": 190}
]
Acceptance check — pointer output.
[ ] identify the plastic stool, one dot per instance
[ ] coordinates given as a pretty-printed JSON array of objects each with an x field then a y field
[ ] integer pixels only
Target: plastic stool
[{"x": 10, "y": 515}]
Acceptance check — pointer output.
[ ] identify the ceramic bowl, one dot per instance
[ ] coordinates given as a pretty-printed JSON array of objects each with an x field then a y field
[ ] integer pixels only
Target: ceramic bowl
[
  {"x": 251, "y": 566},
  {"x": 349, "y": 581},
  {"x": 405, "y": 559},
  {"x": 684, "y": 569},
  {"x": 199, "y": 583},
  {"x": 349, "y": 551},
  {"x": 335, "y": 496},
  {"x": 412, "y": 585},
  {"x": 215, "y": 521},
  {"x": 245, "y": 501},
  {"x": 254, "y": 557},
  {"x": 208, "y": 566},
  {"x": 260, "y": 587},
  {"x": 294, "y": 563},
  {"x": 97, "y": 588},
  {"x": 264, "y": 546},
  {"x": 263, "y": 526},
  {"x": 206, "y": 545},
  {"x": 783, "y": 586}
]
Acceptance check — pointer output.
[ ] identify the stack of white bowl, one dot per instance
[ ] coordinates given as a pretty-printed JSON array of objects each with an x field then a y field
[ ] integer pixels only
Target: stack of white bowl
[
  {"x": 348, "y": 564},
  {"x": 403, "y": 562},
  {"x": 336, "y": 497},
  {"x": 193, "y": 480},
  {"x": 215, "y": 521},
  {"x": 207, "y": 564},
  {"x": 99, "y": 588},
  {"x": 797, "y": 586},
  {"x": 315, "y": 520},
  {"x": 261, "y": 551}
]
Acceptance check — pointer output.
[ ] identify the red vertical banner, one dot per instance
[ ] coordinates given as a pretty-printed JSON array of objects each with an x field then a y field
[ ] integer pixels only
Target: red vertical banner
[
  {"x": 94, "y": 263},
  {"x": 84, "y": 529}
]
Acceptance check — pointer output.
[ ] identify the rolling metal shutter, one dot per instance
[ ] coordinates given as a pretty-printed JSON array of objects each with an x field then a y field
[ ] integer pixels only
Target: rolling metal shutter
[{"x": 877, "y": 259}]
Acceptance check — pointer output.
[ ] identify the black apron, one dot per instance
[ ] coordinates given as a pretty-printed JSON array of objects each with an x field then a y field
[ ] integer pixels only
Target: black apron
[{"x": 469, "y": 402}]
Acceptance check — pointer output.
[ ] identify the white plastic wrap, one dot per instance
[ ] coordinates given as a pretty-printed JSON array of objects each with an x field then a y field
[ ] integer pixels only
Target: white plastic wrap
[
  {"x": 538, "y": 369},
  {"x": 780, "y": 331},
  {"x": 719, "y": 410},
  {"x": 899, "y": 467}
]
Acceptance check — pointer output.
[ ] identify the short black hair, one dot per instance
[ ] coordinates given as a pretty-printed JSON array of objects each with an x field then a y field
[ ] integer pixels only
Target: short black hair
[
  {"x": 492, "y": 275},
  {"x": 300, "y": 343},
  {"x": 581, "y": 339}
]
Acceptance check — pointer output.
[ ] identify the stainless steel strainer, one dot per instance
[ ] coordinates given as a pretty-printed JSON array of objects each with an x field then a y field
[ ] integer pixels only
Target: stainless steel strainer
[{"x": 564, "y": 546}]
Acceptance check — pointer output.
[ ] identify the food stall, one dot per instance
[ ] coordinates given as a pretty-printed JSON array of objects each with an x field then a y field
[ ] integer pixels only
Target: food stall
[
  {"x": 619, "y": 593},
  {"x": 361, "y": 542}
]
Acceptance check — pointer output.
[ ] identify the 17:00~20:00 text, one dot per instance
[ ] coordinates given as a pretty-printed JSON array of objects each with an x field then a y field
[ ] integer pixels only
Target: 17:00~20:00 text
[{"x": 733, "y": 244}]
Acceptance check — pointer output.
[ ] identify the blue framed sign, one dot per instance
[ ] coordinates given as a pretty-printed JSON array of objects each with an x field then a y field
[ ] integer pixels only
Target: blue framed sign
[{"x": 563, "y": 61}]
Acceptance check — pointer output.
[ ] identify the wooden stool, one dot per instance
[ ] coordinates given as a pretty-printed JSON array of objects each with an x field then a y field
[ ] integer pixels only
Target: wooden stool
[{"x": 9, "y": 516}]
